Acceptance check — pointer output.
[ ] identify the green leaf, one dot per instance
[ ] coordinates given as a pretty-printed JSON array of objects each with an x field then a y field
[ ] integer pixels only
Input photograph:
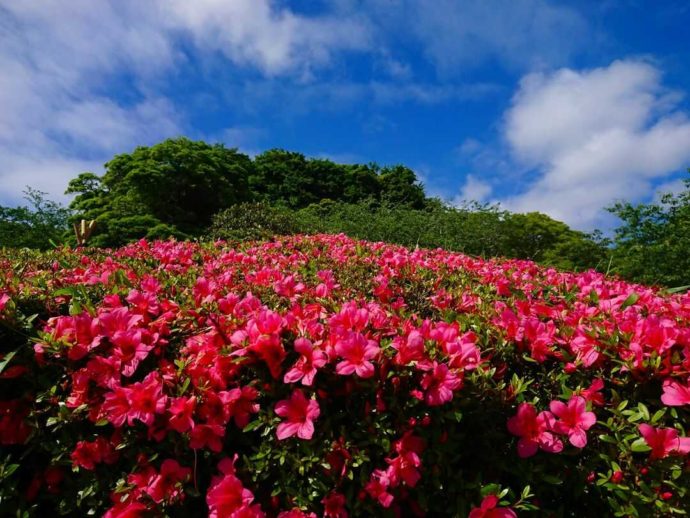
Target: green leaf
[
  {"x": 639, "y": 446},
  {"x": 252, "y": 426},
  {"x": 7, "y": 359},
  {"x": 632, "y": 298}
]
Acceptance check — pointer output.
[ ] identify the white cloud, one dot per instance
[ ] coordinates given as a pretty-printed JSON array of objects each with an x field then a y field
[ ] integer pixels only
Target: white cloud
[
  {"x": 595, "y": 136},
  {"x": 59, "y": 61},
  {"x": 263, "y": 36},
  {"x": 474, "y": 189}
]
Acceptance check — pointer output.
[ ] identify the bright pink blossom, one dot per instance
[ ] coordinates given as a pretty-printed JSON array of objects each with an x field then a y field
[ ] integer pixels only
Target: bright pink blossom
[
  {"x": 574, "y": 420},
  {"x": 356, "y": 351},
  {"x": 310, "y": 360},
  {"x": 207, "y": 435},
  {"x": 534, "y": 431},
  {"x": 299, "y": 413},
  {"x": 181, "y": 413},
  {"x": 146, "y": 399},
  {"x": 334, "y": 505},
  {"x": 664, "y": 441},
  {"x": 439, "y": 384},
  {"x": 489, "y": 509},
  {"x": 228, "y": 498},
  {"x": 675, "y": 394},
  {"x": 378, "y": 486},
  {"x": 240, "y": 404},
  {"x": 167, "y": 485}
]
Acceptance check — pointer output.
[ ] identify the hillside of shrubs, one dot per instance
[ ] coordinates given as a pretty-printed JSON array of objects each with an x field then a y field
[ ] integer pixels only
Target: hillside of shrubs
[
  {"x": 287, "y": 337},
  {"x": 308, "y": 376},
  {"x": 193, "y": 190}
]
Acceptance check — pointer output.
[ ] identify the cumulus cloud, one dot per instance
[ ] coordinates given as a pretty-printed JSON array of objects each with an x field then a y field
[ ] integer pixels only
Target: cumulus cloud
[
  {"x": 259, "y": 34},
  {"x": 474, "y": 189},
  {"x": 595, "y": 136},
  {"x": 80, "y": 79}
]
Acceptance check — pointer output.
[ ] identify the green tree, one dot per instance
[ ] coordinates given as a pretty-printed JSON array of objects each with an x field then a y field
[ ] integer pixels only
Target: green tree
[
  {"x": 399, "y": 187},
  {"x": 540, "y": 238},
  {"x": 38, "y": 225},
  {"x": 652, "y": 245},
  {"x": 176, "y": 185}
]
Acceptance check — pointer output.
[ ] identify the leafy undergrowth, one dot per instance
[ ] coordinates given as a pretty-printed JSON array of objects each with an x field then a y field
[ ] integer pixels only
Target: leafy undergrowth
[{"x": 323, "y": 376}]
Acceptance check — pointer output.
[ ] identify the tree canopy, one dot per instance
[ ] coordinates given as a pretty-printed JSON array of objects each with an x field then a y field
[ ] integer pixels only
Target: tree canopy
[
  {"x": 35, "y": 225},
  {"x": 652, "y": 245},
  {"x": 190, "y": 189},
  {"x": 176, "y": 186}
]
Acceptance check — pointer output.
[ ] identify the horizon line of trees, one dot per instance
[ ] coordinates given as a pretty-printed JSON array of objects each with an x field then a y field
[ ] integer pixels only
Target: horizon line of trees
[{"x": 191, "y": 189}]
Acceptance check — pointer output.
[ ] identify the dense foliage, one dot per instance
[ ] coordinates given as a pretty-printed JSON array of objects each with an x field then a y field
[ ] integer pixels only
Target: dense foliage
[
  {"x": 326, "y": 376},
  {"x": 39, "y": 225},
  {"x": 652, "y": 244},
  {"x": 481, "y": 230},
  {"x": 174, "y": 188},
  {"x": 190, "y": 189}
]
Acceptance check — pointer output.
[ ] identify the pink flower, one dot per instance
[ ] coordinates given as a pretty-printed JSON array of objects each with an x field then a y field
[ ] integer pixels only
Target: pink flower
[
  {"x": 533, "y": 431},
  {"x": 240, "y": 403},
  {"x": 167, "y": 485},
  {"x": 356, "y": 352},
  {"x": 309, "y": 361},
  {"x": 463, "y": 352},
  {"x": 334, "y": 505},
  {"x": 377, "y": 487},
  {"x": 439, "y": 384},
  {"x": 593, "y": 392},
  {"x": 131, "y": 350},
  {"x": 146, "y": 399},
  {"x": 203, "y": 435},
  {"x": 181, "y": 412},
  {"x": 675, "y": 394},
  {"x": 489, "y": 509},
  {"x": 116, "y": 406},
  {"x": 410, "y": 349},
  {"x": 664, "y": 441},
  {"x": 574, "y": 420},
  {"x": 227, "y": 497},
  {"x": 4, "y": 299},
  {"x": 300, "y": 414}
]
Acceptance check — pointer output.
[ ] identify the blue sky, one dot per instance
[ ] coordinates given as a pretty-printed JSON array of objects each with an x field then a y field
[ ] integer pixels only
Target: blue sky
[{"x": 561, "y": 107}]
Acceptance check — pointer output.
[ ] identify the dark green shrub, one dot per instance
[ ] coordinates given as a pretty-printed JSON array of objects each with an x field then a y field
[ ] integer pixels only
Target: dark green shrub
[{"x": 252, "y": 221}]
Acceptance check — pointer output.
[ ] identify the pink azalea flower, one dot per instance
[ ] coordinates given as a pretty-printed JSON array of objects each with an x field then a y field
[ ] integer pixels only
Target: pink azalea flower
[
  {"x": 377, "y": 487},
  {"x": 410, "y": 349},
  {"x": 489, "y": 509},
  {"x": 664, "y": 441},
  {"x": 227, "y": 497},
  {"x": 439, "y": 384},
  {"x": 240, "y": 403},
  {"x": 534, "y": 431},
  {"x": 306, "y": 366},
  {"x": 356, "y": 352},
  {"x": 4, "y": 299},
  {"x": 300, "y": 414},
  {"x": 181, "y": 412},
  {"x": 334, "y": 505},
  {"x": 574, "y": 420},
  {"x": 167, "y": 485},
  {"x": 207, "y": 435},
  {"x": 116, "y": 406},
  {"x": 675, "y": 394},
  {"x": 593, "y": 393},
  {"x": 146, "y": 399}
]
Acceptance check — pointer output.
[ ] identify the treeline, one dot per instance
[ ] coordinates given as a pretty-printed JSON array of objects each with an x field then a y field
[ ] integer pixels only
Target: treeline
[{"x": 190, "y": 189}]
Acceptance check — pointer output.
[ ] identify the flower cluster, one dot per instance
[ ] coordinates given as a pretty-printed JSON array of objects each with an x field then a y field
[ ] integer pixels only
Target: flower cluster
[{"x": 323, "y": 376}]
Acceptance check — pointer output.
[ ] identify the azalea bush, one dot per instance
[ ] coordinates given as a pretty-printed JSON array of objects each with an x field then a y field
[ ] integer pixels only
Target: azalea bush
[{"x": 324, "y": 376}]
